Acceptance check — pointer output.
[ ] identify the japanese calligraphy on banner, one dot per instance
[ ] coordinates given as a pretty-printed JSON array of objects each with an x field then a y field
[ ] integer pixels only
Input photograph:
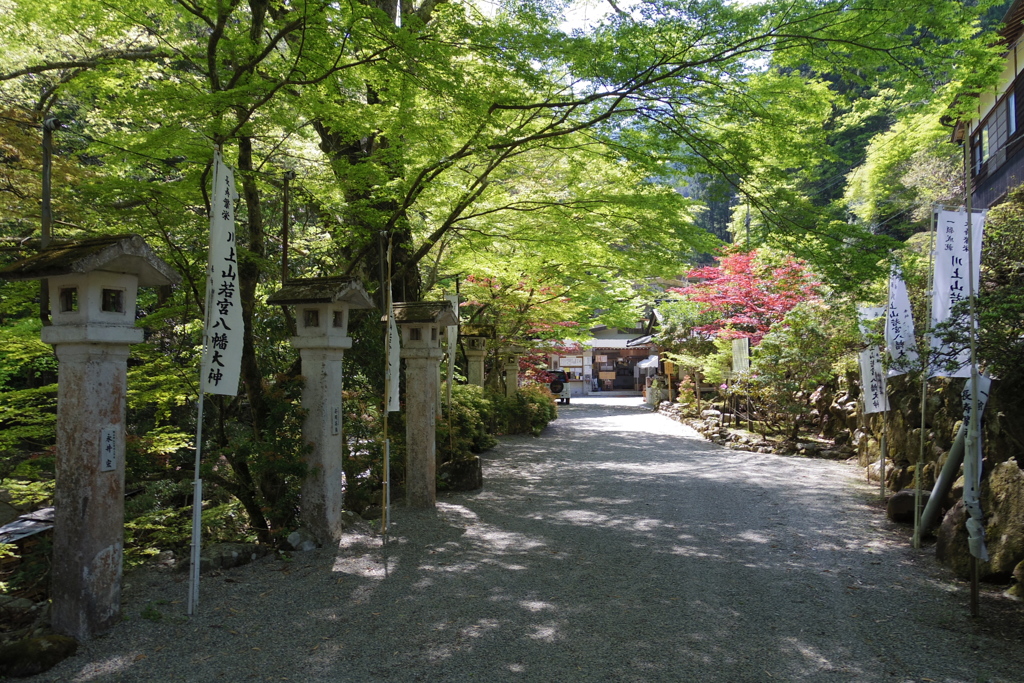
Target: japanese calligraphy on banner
[
  {"x": 899, "y": 327},
  {"x": 222, "y": 348},
  {"x": 872, "y": 381},
  {"x": 394, "y": 359},
  {"x": 950, "y": 283},
  {"x": 452, "y": 338},
  {"x": 866, "y": 313}
]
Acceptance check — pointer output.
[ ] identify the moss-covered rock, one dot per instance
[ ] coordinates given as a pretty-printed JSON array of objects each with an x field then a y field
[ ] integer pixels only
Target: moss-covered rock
[{"x": 33, "y": 656}]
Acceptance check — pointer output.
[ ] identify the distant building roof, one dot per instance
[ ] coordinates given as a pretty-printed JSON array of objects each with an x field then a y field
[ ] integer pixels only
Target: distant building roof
[{"x": 27, "y": 525}]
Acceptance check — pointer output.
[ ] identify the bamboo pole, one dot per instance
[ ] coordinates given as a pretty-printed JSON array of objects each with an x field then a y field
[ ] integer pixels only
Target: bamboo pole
[{"x": 925, "y": 369}]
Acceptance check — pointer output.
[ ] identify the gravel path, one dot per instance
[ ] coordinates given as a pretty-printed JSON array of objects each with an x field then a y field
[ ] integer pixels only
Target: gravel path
[{"x": 618, "y": 546}]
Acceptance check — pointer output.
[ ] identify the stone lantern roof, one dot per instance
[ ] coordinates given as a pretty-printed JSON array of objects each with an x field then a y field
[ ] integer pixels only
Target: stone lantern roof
[
  {"x": 428, "y": 312},
  {"x": 114, "y": 253},
  {"x": 486, "y": 331},
  {"x": 322, "y": 290}
]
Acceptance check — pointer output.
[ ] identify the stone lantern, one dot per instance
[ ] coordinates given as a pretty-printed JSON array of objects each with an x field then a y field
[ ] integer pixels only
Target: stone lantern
[
  {"x": 475, "y": 338},
  {"x": 93, "y": 286},
  {"x": 422, "y": 324},
  {"x": 322, "y": 306},
  {"x": 509, "y": 358}
]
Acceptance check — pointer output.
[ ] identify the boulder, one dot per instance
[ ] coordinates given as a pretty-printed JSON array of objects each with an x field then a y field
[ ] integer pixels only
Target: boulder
[
  {"x": 1016, "y": 591},
  {"x": 301, "y": 540},
  {"x": 33, "y": 656},
  {"x": 900, "y": 507},
  {"x": 227, "y": 555},
  {"x": 462, "y": 475},
  {"x": 1003, "y": 503},
  {"x": 951, "y": 546}
]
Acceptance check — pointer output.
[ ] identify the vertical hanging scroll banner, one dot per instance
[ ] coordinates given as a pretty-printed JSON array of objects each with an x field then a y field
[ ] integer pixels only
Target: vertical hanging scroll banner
[
  {"x": 222, "y": 347},
  {"x": 972, "y": 472},
  {"x": 394, "y": 349},
  {"x": 452, "y": 336},
  {"x": 899, "y": 327},
  {"x": 873, "y": 381},
  {"x": 950, "y": 283}
]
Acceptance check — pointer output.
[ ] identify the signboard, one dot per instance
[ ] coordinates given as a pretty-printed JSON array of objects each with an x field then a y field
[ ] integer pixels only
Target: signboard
[
  {"x": 606, "y": 375},
  {"x": 108, "y": 449},
  {"x": 572, "y": 361},
  {"x": 741, "y": 355}
]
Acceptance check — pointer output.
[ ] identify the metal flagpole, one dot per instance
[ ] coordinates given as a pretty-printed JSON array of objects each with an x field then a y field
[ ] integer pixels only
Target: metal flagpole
[
  {"x": 883, "y": 451},
  {"x": 386, "y": 491},
  {"x": 925, "y": 369},
  {"x": 971, "y": 449},
  {"x": 197, "y": 515}
]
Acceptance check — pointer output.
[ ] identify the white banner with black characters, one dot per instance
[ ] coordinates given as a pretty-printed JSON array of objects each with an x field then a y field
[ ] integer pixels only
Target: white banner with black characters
[
  {"x": 951, "y": 284},
  {"x": 451, "y": 343},
  {"x": 899, "y": 327},
  {"x": 873, "y": 381},
  {"x": 394, "y": 359},
  {"x": 222, "y": 348},
  {"x": 972, "y": 471}
]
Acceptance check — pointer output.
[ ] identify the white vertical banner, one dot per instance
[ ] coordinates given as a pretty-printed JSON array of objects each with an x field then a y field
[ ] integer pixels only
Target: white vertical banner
[
  {"x": 741, "y": 354},
  {"x": 452, "y": 339},
  {"x": 972, "y": 471},
  {"x": 951, "y": 284},
  {"x": 223, "y": 331},
  {"x": 866, "y": 313},
  {"x": 873, "y": 381},
  {"x": 394, "y": 357},
  {"x": 899, "y": 326}
]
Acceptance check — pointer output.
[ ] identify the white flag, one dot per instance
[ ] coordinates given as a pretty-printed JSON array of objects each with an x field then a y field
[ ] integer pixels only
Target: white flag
[
  {"x": 394, "y": 358},
  {"x": 899, "y": 326},
  {"x": 223, "y": 330},
  {"x": 866, "y": 313},
  {"x": 872, "y": 381},
  {"x": 452, "y": 336},
  {"x": 951, "y": 285}
]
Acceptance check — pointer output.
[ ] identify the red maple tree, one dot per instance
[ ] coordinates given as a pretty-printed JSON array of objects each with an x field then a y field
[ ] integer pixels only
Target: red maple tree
[{"x": 748, "y": 296}]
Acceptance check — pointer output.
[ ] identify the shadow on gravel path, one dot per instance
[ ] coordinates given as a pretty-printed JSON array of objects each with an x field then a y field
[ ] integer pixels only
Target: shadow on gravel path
[{"x": 618, "y": 546}]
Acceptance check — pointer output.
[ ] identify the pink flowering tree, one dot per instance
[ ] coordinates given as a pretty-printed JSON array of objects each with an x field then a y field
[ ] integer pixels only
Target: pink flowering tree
[{"x": 746, "y": 294}]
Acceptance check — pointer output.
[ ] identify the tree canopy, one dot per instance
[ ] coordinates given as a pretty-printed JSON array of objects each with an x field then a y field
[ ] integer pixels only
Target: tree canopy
[{"x": 546, "y": 161}]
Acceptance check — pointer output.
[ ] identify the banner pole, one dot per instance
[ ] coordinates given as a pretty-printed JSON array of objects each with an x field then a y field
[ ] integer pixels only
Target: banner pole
[
  {"x": 883, "y": 451},
  {"x": 925, "y": 369},
  {"x": 197, "y": 515},
  {"x": 973, "y": 434},
  {"x": 386, "y": 488}
]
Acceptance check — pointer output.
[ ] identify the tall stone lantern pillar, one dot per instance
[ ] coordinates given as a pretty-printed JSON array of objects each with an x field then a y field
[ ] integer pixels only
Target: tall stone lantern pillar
[
  {"x": 510, "y": 364},
  {"x": 475, "y": 338},
  {"x": 93, "y": 286},
  {"x": 421, "y": 324},
  {"x": 322, "y": 307}
]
